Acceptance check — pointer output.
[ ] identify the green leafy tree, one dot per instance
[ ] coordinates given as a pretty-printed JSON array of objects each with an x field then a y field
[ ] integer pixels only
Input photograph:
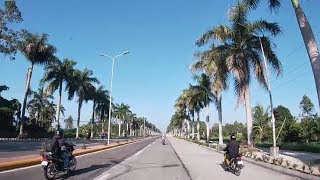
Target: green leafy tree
[
  {"x": 9, "y": 16},
  {"x": 290, "y": 131},
  {"x": 37, "y": 51},
  {"x": 306, "y": 106},
  {"x": 309, "y": 125},
  {"x": 240, "y": 45}
]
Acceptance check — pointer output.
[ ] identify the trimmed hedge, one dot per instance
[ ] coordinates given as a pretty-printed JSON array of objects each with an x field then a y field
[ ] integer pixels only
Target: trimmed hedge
[{"x": 307, "y": 147}]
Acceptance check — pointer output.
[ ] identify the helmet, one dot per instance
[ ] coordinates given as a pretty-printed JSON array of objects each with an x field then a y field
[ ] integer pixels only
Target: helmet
[
  {"x": 233, "y": 137},
  {"x": 60, "y": 132}
]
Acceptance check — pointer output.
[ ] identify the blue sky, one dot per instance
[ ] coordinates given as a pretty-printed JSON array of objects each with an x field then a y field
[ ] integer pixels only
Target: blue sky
[{"x": 160, "y": 36}]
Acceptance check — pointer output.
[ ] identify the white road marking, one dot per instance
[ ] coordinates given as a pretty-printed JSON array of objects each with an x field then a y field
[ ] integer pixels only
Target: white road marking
[
  {"x": 105, "y": 174},
  {"x": 23, "y": 168}
]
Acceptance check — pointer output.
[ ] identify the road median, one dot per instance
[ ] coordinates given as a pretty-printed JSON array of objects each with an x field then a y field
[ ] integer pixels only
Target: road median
[{"x": 34, "y": 161}]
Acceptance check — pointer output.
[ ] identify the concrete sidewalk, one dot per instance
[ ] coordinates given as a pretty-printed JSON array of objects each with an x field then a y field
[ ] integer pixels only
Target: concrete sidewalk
[{"x": 206, "y": 164}]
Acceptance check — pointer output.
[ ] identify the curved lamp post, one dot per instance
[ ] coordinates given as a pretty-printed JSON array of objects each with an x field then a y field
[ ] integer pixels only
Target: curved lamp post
[{"x": 110, "y": 107}]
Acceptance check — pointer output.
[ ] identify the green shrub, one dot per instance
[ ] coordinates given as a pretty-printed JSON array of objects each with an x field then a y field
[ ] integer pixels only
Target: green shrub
[
  {"x": 307, "y": 147},
  {"x": 70, "y": 133}
]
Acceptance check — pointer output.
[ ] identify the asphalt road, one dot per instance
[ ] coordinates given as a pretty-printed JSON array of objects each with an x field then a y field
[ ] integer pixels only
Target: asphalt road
[
  {"x": 89, "y": 166},
  {"x": 23, "y": 148},
  {"x": 156, "y": 162}
]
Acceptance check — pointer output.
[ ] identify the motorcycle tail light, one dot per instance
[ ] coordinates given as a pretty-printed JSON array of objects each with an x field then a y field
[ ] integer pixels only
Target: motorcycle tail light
[{"x": 44, "y": 157}]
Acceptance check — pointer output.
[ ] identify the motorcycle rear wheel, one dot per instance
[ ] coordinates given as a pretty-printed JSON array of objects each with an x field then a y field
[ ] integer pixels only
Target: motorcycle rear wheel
[
  {"x": 73, "y": 164},
  {"x": 237, "y": 171},
  {"x": 49, "y": 172}
]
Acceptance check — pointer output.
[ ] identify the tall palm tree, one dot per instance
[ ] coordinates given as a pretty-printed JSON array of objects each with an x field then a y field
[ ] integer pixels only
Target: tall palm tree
[
  {"x": 82, "y": 85},
  {"x": 102, "y": 108},
  {"x": 122, "y": 111},
  {"x": 261, "y": 121},
  {"x": 307, "y": 35},
  {"x": 212, "y": 63},
  {"x": 241, "y": 47},
  {"x": 55, "y": 75},
  {"x": 181, "y": 106},
  {"x": 97, "y": 96},
  {"x": 37, "y": 51},
  {"x": 203, "y": 88}
]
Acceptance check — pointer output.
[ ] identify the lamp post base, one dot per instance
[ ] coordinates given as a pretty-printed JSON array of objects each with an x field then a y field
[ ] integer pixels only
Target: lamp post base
[{"x": 274, "y": 151}]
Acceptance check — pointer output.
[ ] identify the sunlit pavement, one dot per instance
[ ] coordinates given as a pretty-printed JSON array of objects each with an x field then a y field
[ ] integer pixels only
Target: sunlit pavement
[
  {"x": 156, "y": 162},
  {"x": 205, "y": 164}
]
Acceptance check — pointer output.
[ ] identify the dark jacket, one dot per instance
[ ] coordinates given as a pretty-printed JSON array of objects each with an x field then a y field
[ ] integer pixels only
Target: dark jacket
[
  {"x": 60, "y": 143},
  {"x": 232, "y": 149}
]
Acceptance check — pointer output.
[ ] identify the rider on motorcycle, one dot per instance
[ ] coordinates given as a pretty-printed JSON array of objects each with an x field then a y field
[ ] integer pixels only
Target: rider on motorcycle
[
  {"x": 232, "y": 149},
  {"x": 60, "y": 149}
]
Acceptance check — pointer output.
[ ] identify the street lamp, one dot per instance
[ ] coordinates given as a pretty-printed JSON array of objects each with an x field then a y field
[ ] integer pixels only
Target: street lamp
[
  {"x": 274, "y": 151},
  {"x": 113, "y": 59}
]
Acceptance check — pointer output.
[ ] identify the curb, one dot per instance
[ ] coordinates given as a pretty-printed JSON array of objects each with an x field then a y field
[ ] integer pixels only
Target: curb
[
  {"x": 273, "y": 167},
  {"x": 33, "y": 161}
]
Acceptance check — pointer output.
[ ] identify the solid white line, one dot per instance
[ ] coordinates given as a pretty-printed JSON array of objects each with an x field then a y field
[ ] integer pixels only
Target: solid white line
[
  {"x": 23, "y": 168},
  {"x": 12, "y": 170}
]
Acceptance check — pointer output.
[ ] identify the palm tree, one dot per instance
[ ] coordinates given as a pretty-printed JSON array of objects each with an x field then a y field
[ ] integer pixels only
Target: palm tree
[
  {"x": 68, "y": 123},
  {"x": 55, "y": 75},
  {"x": 241, "y": 47},
  {"x": 82, "y": 85},
  {"x": 122, "y": 111},
  {"x": 203, "y": 88},
  {"x": 39, "y": 101},
  {"x": 307, "y": 35},
  {"x": 97, "y": 96},
  {"x": 181, "y": 106},
  {"x": 212, "y": 63},
  {"x": 37, "y": 51},
  {"x": 260, "y": 121}
]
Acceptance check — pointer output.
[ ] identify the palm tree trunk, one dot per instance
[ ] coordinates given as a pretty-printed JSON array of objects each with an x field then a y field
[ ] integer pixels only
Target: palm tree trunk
[
  {"x": 220, "y": 120},
  {"x": 25, "y": 98},
  {"x": 78, "y": 120},
  {"x": 119, "y": 133},
  {"x": 207, "y": 121},
  {"x": 130, "y": 129},
  {"x": 310, "y": 43},
  {"x": 102, "y": 121},
  {"x": 188, "y": 129},
  {"x": 58, "y": 105},
  {"x": 198, "y": 125},
  {"x": 248, "y": 114},
  {"x": 92, "y": 118}
]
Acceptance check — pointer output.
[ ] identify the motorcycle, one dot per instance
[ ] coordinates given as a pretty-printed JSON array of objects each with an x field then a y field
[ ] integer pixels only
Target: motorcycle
[
  {"x": 53, "y": 165},
  {"x": 235, "y": 165},
  {"x": 163, "y": 141}
]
